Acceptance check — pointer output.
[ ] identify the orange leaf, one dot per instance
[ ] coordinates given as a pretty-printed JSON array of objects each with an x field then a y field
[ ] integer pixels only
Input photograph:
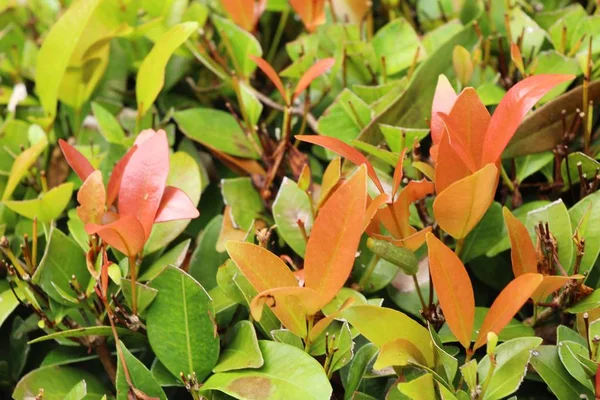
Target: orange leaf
[
  {"x": 467, "y": 124},
  {"x": 551, "y": 284},
  {"x": 144, "y": 180},
  {"x": 522, "y": 254},
  {"x": 453, "y": 287},
  {"x": 114, "y": 183},
  {"x": 462, "y": 205},
  {"x": 311, "y": 12},
  {"x": 449, "y": 167},
  {"x": 334, "y": 239},
  {"x": 92, "y": 199},
  {"x": 398, "y": 173},
  {"x": 373, "y": 207},
  {"x": 443, "y": 100},
  {"x": 331, "y": 177},
  {"x": 507, "y": 304},
  {"x": 352, "y": 11},
  {"x": 344, "y": 150},
  {"x": 323, "y": 323},
  {"x": 76, "y": 160},
  {"x": 512, "y": 109},
  {"x": 126, "y": 234},
  {"x": 271, "y": 74},
  {"x": 318, "y": 69},
  {"x": 515, "y": 55},
  {"x": 245, "y": 13},
  {"x": 263, "y": 269},
  {"x": 399, "y": 227},
  {"x": 291, "y": 305}
]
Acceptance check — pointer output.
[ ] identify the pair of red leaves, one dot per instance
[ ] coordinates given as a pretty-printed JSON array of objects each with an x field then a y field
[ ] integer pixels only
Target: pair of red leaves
[
  {"x": 330, "y": 253},
  {"x": 468, "y": 143},
  {"x": 138, "y": 184}
]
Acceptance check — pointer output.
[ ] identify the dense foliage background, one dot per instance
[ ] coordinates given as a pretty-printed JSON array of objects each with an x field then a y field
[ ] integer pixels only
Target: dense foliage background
[{"x": 366, "y": 229}]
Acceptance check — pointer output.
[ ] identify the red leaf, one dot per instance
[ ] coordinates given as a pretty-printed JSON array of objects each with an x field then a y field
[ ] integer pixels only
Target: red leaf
[
  {"x": 399, "y": 227},
  {"x": 507, "y": 304},
  {"x": 76, "y": 160},
  {"x": 125, "y": 234},
  {"x": 334, "y": 239},
  {"x": 313, "y": 73},
  {"x": 453, "y": 287},
  {"x": 144, "y": 180},
  {"x": 175, "y": 204},
  {"x": 271, "y": 74},
  {"x": 512, "y": 109},
  {"x": 443, "y": 100},
  {"x": 344, "y": 150},
  {"x": 311, "y": 12},
  {"x": 114, "y": 183}
]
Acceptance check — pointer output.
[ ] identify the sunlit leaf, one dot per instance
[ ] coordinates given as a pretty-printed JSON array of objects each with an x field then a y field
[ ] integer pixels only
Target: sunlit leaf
[
  {"x": 82, "y": 167},
  {"x": 46, "y": 208},
  {"x": 21, "y": 165},
  {"x": 271, "y": 74},
  {"x": 523, "y": 254}
]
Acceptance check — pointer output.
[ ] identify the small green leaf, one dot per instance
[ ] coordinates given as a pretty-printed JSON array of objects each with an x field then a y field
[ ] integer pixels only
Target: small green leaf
[
  {"x": 8, "y": 301},
  {"x": 485, "y": 234},
  {"x": 246, "y": 204},
  {"x": 242, "y": 351},
  {"x": 532, "y": 163},
  {"x": 275, "y": 379},
  {"x": 421, "y": 388},
  {"x": 343, "y": 348},
  {"x": 151, "y": 75},
  {"x": 173, "y": 257},
  {"x": 469, "y": 373},
  {"x": 141, "y": 378},
  {"x": 292, "y": 205},
  {"x": 206, "y": 260},
  {"x": 163, "y": 376},
  {"x": 570, "y": 171},
  {"x": 109, "y": 125},
  {"x": 589, "y": 303},
  {"x": 398, "y": 139},
  {"x": 345, "y": 118},
  {"x": 181, "y": 326},
  {"x": 57, "y": 382},
  {"x": 240, "y": 44},
  {"x": 363, "y": 360},
  {"x": 87, "y": 331},
  {"x": 444, "y": 361},
  {"x": 145, "y": 294},
  {"x": 21, "y": 165},
  {"x": 568, "y": 352},
  {"x": 47, "y": 207},
  {"x": 385, "y": 42},
  {"x": 288, "y": 337},
  {"x": 585, "y": 225}
]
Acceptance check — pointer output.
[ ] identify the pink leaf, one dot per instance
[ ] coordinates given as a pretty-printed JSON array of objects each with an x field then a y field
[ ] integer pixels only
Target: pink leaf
[
  {"x": 76, "y": 160},
  {"x": 175, "y": 204},
  {"x": 114, "y": 183}
]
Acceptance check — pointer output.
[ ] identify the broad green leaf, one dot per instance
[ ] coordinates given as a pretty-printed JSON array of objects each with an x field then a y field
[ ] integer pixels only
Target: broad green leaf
[
  {"x": 383, "y": 325},
  {"x": 385, "y": 42},
  {"x": 557, "y": 217},
  {"x": 242, "y": 351},
  {"x": 587, "y": 229},
  {"x": 21, "y": 165},
  {"x": 63, "y": 259},
  {"x": 78, "y": 392},
  {"x": 245, "y": 202},
  {"x": 145, "y": 294},
  {"x": 49, "y": 206},
  {"x": 206, "y": 260},
  {"x": 141, "y": 377},
  {"x": 180, "y": 324},
  {"x": 151, "y": 75},
  {"x": 184, "y": 174},
  {"x": 292, "y": 205},
  {"x": 421, "y": 388},
  {"x": 589, "y": 303},
  {"x": 57, "y": 382},
  {"x": 275, "y": 379},
  {"x": 512, "y": 358},
  {"x": 240, "y": 45},
  {"x": 398, "y": 138},
  {"x": 217, "y": 130},
  {"x": 565, "y": 333},
  {"x": 163, "y": 376},
  {"x": 568, "y": 352},
  {"x": 55, "y": 53},
  {"x": 355, "y": 372},
  {"x": 547, "y": 364},
  {"x": 86, "y": 331},
  {"x": 288, "y": 337},
  {"x": 346, "y": 117},
  {"x": 108, "y": 124},
  {"x": 173, "y": 257},
  {"x": 8, "y": 301}
]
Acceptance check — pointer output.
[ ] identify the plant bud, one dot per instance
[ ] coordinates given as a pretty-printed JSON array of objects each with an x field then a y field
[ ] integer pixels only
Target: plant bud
[
  {"x": 403, "y": 258},
  {"x": 492, "y": 341}
]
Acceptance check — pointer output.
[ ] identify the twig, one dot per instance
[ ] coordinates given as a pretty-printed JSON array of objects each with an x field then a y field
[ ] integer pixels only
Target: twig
[{"x": 310, "y": 119}]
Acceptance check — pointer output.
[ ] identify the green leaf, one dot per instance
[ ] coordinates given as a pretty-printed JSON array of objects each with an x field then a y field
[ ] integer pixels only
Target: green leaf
[
  {"x": 398, "y": 138},
  {"x": 246, "y": 204},
  {"x": 291, "y": 205},
  {"x": 585, "y": 225},
  {"x": 557, "y": 217},
  {"x": 180, "y": 325},
  {"x": 22, "y": 164},
  {"x": 242, "y": 351},
  {"x": 141, "y": 377},
  {"x": 57, "y": 382},
  {"x": 532, "y": 163},
  {"x": 589, "y": 167},
  {"x": 163, "y": 376},
  {"x": 568, "y": 352},
  {"x": 565, "y": 333},
  {"x": 512, "y": 358},
  {"x": 552, "y": 62},
  {"x": 173, "y": 257},
  {"x": 275, "y": 379},
  {"x": 485, "y": 234},
  {"x": 343, "y": 347},
  {"x": 151, "y": 75},
  {"x": 421, "y": 388},
  {"x": 145, "y": 294},
  {"x": 589, "y": 303},
  {"x": 108, "y": 124},
  {"x": 469, "y": 373},
  {"x": 63, "y": 258},
  {"x": 533, "y": 40},
  {"x": 55, "y": 53},
  {"x": 184, "y": 174},
  {"x": 206, "y": 260},
  {"x": 345, "y": 118},
  {"x": 385, "y": 42},
  {"x": 444, "y": 362},
  {"x": 78, "y": 392},
  {"x": 47, "y": 207},
  {"x": 547, "y": 364},
  {"x": 8, "y": 301},
  {"x": 86, "y": 331},
  {"x": 288, "y": 337},
  {"x": 240, "y": 45},
  {"x": 215, "y": 129}
]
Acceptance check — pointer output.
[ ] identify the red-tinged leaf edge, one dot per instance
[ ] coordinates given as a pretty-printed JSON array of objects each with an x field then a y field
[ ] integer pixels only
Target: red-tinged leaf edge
[
  {"x": 175, "y": 204},
  {"x": 344, "y": 150},
  {"x": 271, "y": 74},
  {"x": 318, "y": 69},
  {"x": 76, "y": 160},
  {"x": 398, "y": 174}
]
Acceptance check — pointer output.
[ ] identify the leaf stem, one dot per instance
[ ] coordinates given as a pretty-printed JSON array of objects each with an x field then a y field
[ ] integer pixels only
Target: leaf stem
[
  {"x": 459, "y": 246},
  {"x": 370, "y": 268},
  {"x": 133, "y": 273},
  {"x": 418, "y": 289},
  {"x": 489, "y": 375},
  {"x": 278, "y": 34},
  {"x": 506, "y": 179}
]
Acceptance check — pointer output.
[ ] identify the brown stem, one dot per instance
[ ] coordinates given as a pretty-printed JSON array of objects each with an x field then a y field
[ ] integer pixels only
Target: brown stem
[
  {"x": 106, "y": 359},
  {"x": 133, "y": 272}
]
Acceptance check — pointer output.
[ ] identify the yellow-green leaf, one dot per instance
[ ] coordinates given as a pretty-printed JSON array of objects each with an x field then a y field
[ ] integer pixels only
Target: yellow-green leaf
[
  {"x": 22, "y": 163},
  {"x": 46, "y": 208}
]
